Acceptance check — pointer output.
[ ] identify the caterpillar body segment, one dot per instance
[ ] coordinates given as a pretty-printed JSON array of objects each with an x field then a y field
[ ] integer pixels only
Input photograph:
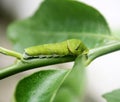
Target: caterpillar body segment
[{"x": 72, "y": 47}]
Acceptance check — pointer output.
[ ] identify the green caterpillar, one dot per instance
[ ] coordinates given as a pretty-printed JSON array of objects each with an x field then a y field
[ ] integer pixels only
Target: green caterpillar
[{"x": 72, "y": 47}]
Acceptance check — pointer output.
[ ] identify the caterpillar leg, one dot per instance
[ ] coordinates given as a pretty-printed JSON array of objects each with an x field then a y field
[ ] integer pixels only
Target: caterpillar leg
[{"x": 50, "y": 56}]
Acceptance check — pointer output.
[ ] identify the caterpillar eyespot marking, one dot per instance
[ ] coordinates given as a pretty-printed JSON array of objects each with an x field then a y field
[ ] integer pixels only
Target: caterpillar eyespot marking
[{"x": 73, "y": 47}]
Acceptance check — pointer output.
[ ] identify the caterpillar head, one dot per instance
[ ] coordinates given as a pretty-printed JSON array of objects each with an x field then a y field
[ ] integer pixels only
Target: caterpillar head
[{"x": 76, "y": 47}]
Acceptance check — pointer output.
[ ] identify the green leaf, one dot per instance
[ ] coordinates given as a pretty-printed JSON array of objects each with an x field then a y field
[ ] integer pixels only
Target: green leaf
[
  {"x": 113, "y": 96},
  {"x": 43, "y": 85},
  {"x": 58, "y": 20},
  {"x": 65, "y": 95},
  {"x": 74, "y": 85},
  {"x": 40, "y": 86}
]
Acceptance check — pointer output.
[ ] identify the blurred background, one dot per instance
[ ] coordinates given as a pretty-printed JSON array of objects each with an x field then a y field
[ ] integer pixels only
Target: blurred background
[{"x": 102, "y": 74}]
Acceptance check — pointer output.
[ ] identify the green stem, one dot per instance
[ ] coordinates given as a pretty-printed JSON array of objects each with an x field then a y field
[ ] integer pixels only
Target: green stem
[
  {"x": 34, "y": 63},
  {"x": 102, "y": 51},
  {"x": 31, "y": 64},
  {"x": 10, "y": 53}
]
